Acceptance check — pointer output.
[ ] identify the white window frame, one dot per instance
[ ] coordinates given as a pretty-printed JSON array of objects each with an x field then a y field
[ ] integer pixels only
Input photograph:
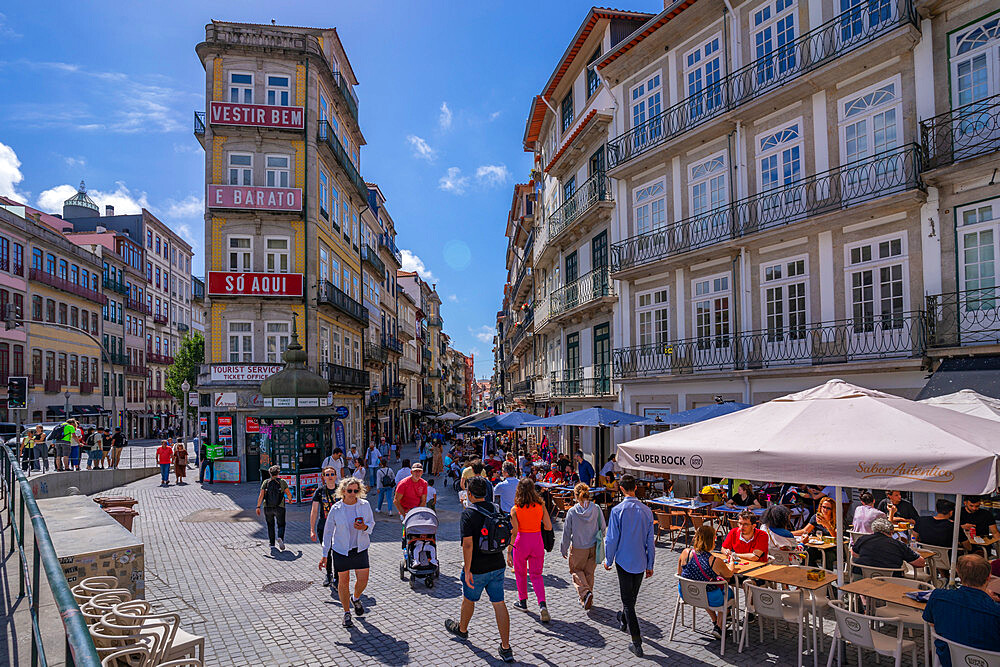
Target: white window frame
[
  {"x": 646, "y": 98},
  {"x": 275, "y": 258},
  {"x": 276, "y": 176},
  {"x": 243, "y": 340},
  {"x": 242, "y": 90},
  {"x": 704, "y": 61},
  {"x": 770, "y": 69},
  {"x": 245, "y": 253},
  {"x": 275, "y": 339},
  {"x": 324, "y": 345},
  {"x": 848, "y": 104},
  {"x": 875, "y": 263},
  {"x": 281, "y": 94},
  {"x": 334, "y": 203},
  {"x": 337, "y": 353},
  {"x": 324, "y": 265},
  {"x": 712, "y": 168},
  {"x": 989, "y": 51},
  {"x": 335, "y": 269},
  {"x": 241, "y": 173},
  {"x": 715, "y": 291},
  {"x": 646, "y": 196},
  {"x": 981, "y": 225},
  {"x": 653, "y": 313},
  {"x": 769, "y": 281},
  {"x": 777, "y": 151},
  {"x": 324, "y": 184}
]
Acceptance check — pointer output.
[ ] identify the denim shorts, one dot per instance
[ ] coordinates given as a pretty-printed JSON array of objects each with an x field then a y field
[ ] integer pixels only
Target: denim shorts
[{"x": 491, "y": 581}]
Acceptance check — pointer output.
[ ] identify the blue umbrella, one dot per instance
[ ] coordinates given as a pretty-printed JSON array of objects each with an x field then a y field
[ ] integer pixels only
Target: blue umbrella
[
  {"x": 507, "y": 421},
  {"x": 701, "y": 414},
  {"x": 594, "y": 417}
]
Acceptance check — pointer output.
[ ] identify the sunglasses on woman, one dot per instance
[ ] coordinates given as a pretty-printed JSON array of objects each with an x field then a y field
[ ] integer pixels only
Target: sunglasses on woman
[{"x": 352, "y": 490}]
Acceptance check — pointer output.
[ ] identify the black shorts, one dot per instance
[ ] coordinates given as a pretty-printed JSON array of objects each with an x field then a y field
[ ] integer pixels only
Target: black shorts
[{"x": 353, "y": 560}]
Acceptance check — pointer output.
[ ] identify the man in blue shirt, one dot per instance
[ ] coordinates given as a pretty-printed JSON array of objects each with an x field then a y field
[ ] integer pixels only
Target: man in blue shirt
[
  {"x": 629, "y": 545},
  {"x": 504, "y": 490},
  {"x": 584, "y": 469},
  {"x": 967, "y": 615}
]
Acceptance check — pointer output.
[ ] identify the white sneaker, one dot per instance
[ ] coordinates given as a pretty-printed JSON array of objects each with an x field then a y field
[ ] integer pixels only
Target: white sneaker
[{"x": 281, "y": 544}]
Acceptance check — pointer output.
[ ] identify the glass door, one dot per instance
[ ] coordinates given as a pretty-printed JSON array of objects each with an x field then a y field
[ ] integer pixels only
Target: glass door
[
  {"x": 573, "y": 372},
  {"x": 602, "y": 360}
]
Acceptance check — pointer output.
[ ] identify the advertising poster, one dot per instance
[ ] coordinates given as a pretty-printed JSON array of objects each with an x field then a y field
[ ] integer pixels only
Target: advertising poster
[
  {"x": 293, "y": 490},
  {"x": 225, "y": 435},
  {"x": 338, "y": 436},
  {"x": 252, "y": 425},
  {"x": 228, "y": 471},
  {"x": 203, "y": 427},
  {"x": 308, "y": 484}
]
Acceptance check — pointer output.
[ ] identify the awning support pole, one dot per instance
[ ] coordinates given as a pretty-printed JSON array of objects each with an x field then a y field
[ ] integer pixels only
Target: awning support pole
[
  {"x": 954, "y": 539},
  {"x": 837, "y": 493}
]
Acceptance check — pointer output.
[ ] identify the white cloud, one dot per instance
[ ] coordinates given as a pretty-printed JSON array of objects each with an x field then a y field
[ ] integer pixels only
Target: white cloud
[
  {"x": 413, "y": 263},
  {"x": 453, "y": 298},
  {"x": 190, "y": 206},
  {"x": 492, "y": 175},
  {"x": 444, "y": 120},
  {"x": 73, "y": 162},
  {"x": 6, "y": 31},
  {"x": 124, "y": 200},
  {"x": 421, "y": 148},
  {"x": 10, "y": 173},
  {"x": 483, "y": 334},
  {"x": 187, "y": 147},
  {"x": 495, "y": 115},
  {"x": 453, "y": 181}
]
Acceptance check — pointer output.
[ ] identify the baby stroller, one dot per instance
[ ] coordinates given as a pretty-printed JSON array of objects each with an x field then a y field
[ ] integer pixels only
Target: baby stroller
[{"x": 420, "y": 548}]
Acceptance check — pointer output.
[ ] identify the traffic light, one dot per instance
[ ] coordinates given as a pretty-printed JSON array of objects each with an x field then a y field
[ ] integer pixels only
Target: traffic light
[
  {"x": 17, "y": 393},
  {"x": 11, "y": 316}
]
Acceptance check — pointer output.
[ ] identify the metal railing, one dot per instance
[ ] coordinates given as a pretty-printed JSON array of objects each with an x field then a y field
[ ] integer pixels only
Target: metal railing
[
  {"x": 970, "y": 317},
  {"x": 79, "y": 648},
  {"x": 595, "y": 189},
  {"x": 522, "y": 388},
  {"x": 345, "y": 377},
  {"x": 588, "y": 287},
  {"x": 844, "y": 186},
  {"x": 900, "y": 335},
  {"x": 395, "y": 390},
  {"x": 347, "y": 92},
  {"x": 158, "y": 394},
  {"x": 329, "y": 137},
  {"x": 426, "y": 354},
  {"x": 434, "y": 321},
  {"x": 527, "y": 324},
  {"x": 392, "y": 344},
  {"x": 65, "y": 285},
  {"x": 370, "y": 255},
  {"x": 161, "y": 318},
  {"x": 593, "y": 381},
  {"x": 138, "y": 306},
  {"x": 115, "y": 286},
  {"x": 199, "y": 122},
  {"x": 386, "y": 242},
  {"x": 331, "y": 295},
  {"x": 54, "y": 386},
  {"x": 375, "y": 353},
  {"x": 156, "y": 358},
  {"x": 862, "y": 24},
  {"x": 523, "y": 272},
  {"x": 965, "y": 132}
]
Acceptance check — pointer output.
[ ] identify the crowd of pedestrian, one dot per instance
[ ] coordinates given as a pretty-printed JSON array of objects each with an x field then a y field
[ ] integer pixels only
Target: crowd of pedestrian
[{"x": 68, "y": 443}]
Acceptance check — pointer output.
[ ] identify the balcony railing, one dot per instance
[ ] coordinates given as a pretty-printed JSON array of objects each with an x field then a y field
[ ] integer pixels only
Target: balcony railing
[
  {"x": 54, "y": 386},
  {"x": 392, "y": 344},
  {"x": 962, "y": 133},
  {"x": 522, "y": 273},
  {"x": 409, "y": 365},
  {"x": 344, "y": 377},
  {"x": 864, "y": 23},
  {"x": 395, "y": 390},
  {"x": 65, "y": 285},
  {"x": 115, "y": 286},
  {"x": 526, "y": 325},
  {"x": 594, "y": 190},
  {"x": 884, "y": 174},
  {"x": 434, "y": 321},
  {"x": 406, "y": 326},
  {"x": 347, "y": 92},
  {"x": 199, "y": 122},
  {"x": 140, "y": 371},
  {"x": 161, "y": 318},
  {"x": 331, "y": 295},
  {"x": 87, "y": 387},
  {"x": 593, "y": 381},
  {"x": 374, "y": 353},
  {"x": 870, "y": 337},
  {"x": 137, "y": 306},
  {"x": 386, "y": 242},
  {"x": 426, "y": 354},
  {"x": 329, "y": 137},
  {"x": 588, "y": 287},
  {"x": 522, "y": 388},
  {"x": 370, "y": 255},
  {"x": 971, "y": 317},
  {"x": 158, "y": 394},
  {"x": 182, "y": 327},
  {"x": 162, "y": 359}
]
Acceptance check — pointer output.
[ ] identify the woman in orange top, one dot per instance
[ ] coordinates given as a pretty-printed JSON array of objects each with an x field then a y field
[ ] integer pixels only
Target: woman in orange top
[{"x": 527, "y": 551}]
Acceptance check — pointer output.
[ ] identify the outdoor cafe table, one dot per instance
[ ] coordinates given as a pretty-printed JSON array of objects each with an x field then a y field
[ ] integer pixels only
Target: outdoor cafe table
[
  {"x": 790, "y": 575},
  {"x": 889, "y": 591},
  {"x": 686, "y": 504}
]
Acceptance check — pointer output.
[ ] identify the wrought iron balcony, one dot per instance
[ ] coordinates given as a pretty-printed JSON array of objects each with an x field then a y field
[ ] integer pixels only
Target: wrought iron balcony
[
  {"x": 343, "y": 377},
  {"x": 199, "y": 122},
  {"x": 589, "y": 194},
  {"x": 182, "y": 327},
  {"x": 159, "y": 394},
  {"x": 434, "y": 321},
  {"x": 347, "y": 93},
  {"x": 54, "y": 386},
  {"x": 370, "y": 255},
  {"x": 434, "y": 374},
  {"x": 386, "y": 242},
  {"x": 848, "y": 185},
  {"x": 870, "y": 337},
  {"x": 161, "y": 318},
  {"x": 964, "y": 318},
  {"x": 118, "y": 358},
  {"x": 592, "y": 381},
  {"x": 587, "y": 288},
  {"x": 406, "y": 327},
  {"x": 962, "y": 133},
  {"x": 328, "y": 137},
  {"x": 395, "y": 390},
  {"x": 522, "y": 388},
  {"x": 87, "y": 387},
  {"x": 374, "y": 353},
  {"x": 526, "y": 325},
  {"x": 522, "y": 273},
  {"x": 863, "y": 24},
  {"x": 331, "y": 295},
  {"x": 162, "y": 359},
  {"x": 139, "y": 371},
  {"x": 65, "y": 285},
  {"x": 392, "y": 344},
  {"x": 137, "y": 306},
  {"x": 115, "y": 286},
  {"x": 426, "y": 354}
]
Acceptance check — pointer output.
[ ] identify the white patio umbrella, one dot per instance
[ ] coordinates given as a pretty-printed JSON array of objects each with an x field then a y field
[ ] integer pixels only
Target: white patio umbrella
[
  {"x": 838, "y": 434},
  {"x": 968, "y": 401},
  {"x": 448, "y": 417}
]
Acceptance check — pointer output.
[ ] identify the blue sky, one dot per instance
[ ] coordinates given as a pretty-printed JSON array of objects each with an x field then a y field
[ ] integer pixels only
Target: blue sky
[{"x": 105, "y": 91}]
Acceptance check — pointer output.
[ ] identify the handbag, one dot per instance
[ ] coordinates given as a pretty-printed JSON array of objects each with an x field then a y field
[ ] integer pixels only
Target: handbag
[{"x": 548, "y": 538}]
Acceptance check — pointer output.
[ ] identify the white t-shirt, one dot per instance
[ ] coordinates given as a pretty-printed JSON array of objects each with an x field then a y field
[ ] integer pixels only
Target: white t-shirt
[
  {"x": 359, "y": 473},
  {"x": 431, "y": 493},
  {"x": 336, "y": 464},
  {"x": 402, "y": 474}
]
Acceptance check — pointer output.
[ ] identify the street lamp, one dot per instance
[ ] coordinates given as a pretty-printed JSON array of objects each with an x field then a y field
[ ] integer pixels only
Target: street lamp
[
  {"x": 185, "y": 388},
  {"x": 67, "y": 395}
]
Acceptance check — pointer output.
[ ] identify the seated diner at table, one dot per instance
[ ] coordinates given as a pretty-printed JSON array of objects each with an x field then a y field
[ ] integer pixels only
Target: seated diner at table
[
  {"x": 865, "y": 513},
  {"x": 744, "y": 497},
  {"x": 777, "y": 523},
  {"x": 711, "y": 493},
  {"x": 938, "y": 530},
  {"x": 698, "y": 563},
  {"x": 975, "y": 516},
  {"x": 823, "y": 523},
  {"x": 896, "y": 508},
  {"x": 554, "y": 476},
  {"x": 880, "y": 549},
  {"x": 746, "y": 540},
  {"x": 969, "y": 614}
]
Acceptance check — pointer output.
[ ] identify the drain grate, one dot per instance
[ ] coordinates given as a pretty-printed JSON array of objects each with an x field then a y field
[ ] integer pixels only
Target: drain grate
[
  {"x": 239, "y": 546},
  {"x": 285, "y": 586}
]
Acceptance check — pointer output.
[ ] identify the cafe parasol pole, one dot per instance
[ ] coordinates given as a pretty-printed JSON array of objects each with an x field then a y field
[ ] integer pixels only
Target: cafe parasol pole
[
  {"x": 954, "y": 538},
  {"x": 840, "y": 537}
]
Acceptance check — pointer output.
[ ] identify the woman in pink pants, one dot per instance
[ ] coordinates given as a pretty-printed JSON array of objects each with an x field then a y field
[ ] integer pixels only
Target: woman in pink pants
[{"x": 527, "y": 552}]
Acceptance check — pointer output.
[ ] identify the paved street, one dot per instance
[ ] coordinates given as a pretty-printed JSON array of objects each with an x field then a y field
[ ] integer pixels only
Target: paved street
[{"x": 207, "y": 559}]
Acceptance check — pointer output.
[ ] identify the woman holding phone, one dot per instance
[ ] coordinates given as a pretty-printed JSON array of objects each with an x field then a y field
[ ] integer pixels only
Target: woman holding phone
[{"x": 347, "y": 530}]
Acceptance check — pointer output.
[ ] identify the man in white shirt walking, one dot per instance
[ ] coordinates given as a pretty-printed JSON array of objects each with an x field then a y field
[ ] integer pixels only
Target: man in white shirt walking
[{"x": 335, "y": 461}]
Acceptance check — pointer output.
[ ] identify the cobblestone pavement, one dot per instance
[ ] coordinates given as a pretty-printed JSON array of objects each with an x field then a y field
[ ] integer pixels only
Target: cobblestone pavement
[{"x": 207, "y": 558}]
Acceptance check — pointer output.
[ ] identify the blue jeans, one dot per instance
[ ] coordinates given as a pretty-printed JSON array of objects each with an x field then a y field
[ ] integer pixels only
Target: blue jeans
[
  {"x": 371, "y": 477},
  {"x": 491, "y": 582},
  {"x": 165, "y": 472},
  {"x": 74, "y": 456},
  {"x": 385, "y": 493}
]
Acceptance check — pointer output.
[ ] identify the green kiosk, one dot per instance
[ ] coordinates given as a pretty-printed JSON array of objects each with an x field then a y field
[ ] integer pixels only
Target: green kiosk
[{"x": 296, "y": 423}]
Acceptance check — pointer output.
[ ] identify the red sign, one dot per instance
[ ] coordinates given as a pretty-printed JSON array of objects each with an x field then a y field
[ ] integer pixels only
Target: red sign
[
  {"x": 253, "y": 426},
  {"x": 256, "y": 115},
  {"x": 223, "y": 283},
  {"x": 253, "y": 197}
]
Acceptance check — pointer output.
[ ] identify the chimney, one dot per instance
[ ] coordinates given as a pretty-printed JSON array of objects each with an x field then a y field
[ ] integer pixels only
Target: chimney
[{"x": 109, "y": 210}]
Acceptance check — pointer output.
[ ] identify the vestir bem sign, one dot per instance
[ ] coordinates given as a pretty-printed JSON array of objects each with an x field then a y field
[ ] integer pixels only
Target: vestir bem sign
[
  {"x": 256, "y": 115},
  {"x": 225, "y": 283},
  {"x": 254, "y": 197}
]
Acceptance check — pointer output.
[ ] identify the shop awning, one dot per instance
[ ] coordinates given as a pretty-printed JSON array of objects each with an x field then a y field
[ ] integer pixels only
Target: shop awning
[
  {"x": 56, "y": 410},
  {"x": 981, "y": 374}
]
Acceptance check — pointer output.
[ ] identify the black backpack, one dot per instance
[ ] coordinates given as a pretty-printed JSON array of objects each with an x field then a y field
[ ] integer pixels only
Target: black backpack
[
  {"x": 58, "y": 432},
  {"x": 272, "y": 493},
  {"x": 495, "y": 536},
  {"x": 387, "y": 480}
]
